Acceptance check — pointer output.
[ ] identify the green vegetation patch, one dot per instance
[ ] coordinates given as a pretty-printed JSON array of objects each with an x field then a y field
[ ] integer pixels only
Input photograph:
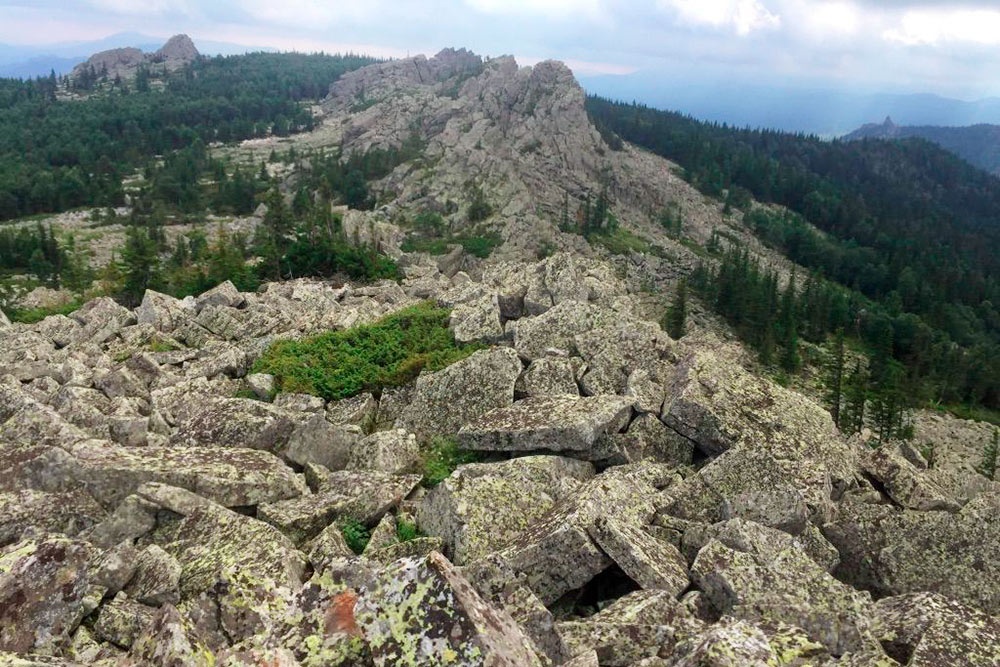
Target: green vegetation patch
[
  {"x": 407, "y": 530},
  {"x": 387, "y": 353},
  {"x": 356, "y": 535},
  {"x": 33, "y": 315},
  {"x": 480, "y": 246},
  {"x": 442, "y": 457},
  {"x": 620, "y": 241}
]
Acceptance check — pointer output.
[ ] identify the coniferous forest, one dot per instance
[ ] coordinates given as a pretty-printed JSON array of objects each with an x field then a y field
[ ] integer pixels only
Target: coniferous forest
[{"x": 907, "y": 232}]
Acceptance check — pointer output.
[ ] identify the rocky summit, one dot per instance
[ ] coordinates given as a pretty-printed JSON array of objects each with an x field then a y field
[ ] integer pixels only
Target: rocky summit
[
  {"x": 573, "y": 486},
  {"x": 126, "y": 62}
]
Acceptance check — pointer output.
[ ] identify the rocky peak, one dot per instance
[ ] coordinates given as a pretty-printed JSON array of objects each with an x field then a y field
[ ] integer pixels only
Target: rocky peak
[
  {"x": 178, "y": 48},
  {"x": 177, "y": 52}
]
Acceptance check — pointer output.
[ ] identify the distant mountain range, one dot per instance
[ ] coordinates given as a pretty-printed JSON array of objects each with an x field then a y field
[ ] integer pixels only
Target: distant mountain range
[
  {"x": 976, "y": 144},
  {"x": 26, "y": 61},
  {"x": 797, "y": 107}
]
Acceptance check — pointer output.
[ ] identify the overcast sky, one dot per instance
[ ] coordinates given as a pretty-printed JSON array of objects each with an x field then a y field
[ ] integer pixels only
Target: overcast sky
[{"x": 949, "y": 48}]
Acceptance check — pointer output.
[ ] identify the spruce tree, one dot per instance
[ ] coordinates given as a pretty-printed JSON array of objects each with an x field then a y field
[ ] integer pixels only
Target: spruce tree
[
  {"x": 852, "y": 416},
  {"x": 834, "y": 379},
  {"x": 988, "y": 466},
  {"x": 140, "y": 264},
  {"x": 790, "y": 360},
  {"x": 676, "y": 316}
]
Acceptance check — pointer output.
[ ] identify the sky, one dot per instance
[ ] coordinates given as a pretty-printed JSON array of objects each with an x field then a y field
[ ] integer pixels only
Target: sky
[{"x": 948, "y": 48}]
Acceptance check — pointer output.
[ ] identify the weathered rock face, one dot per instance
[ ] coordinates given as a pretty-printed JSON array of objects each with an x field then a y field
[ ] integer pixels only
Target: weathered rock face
[
  {"x": 483, "y": 506},
  {"x": 445, "y": 401},
  {"x": 177, "y": 52},
  {"x": 554, "y": 423},
  {"x": 422, "y": 611},
  {"x": 895, "y": 551}
]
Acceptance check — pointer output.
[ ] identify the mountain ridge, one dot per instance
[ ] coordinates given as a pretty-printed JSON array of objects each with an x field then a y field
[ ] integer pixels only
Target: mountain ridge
[{"x": 977, "y": 144}]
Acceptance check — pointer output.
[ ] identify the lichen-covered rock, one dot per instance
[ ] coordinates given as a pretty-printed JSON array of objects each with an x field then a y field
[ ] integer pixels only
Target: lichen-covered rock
[
  {"x": 557, "y": 328},
  {"x": 744, "y": 482},
  {"x": 614, "y": 351},
  {"x": 647, "y": 561},
  {"x": 716, "y": 404},
  {"x": 730, "y": 643},
  {"x": 419, "y": 546},
  {"x": 569, "y": 424},
  {"x": 764, "y": 583},
  {"x": 481, "y": 506},
  {"x": 367, "y": 501},
  {"x": 646, "y": 439},
  {"x": 230, "y": 476},
  {"x": 67, "y": 513},
  {"x": 170, "y": 641},
  {"x": 927, "y": 629},
  {"x": 904, "y": 482},
  {"x": 548, "y": 376},
  {"x": 892, "y": 551},
  {"x": 236, "y": 422},
  {"x": 157, "y": 578},
  {"x": 394, "y": 452},
  {"x": 477, "y": 321},
  {"x": 121, "y": 620},
  {"x": 422, "y": 611},
  {"x": 223, "y": 294},
  {"x": 328, "y": 547},
  {"x": 358, "y": 411},
  {"x": 616, "y": 644},
  {"x": 211, "y": 542},
  {"x": 163, "y": 312},
  {"x": 445, "y": 401},
  {"x": 318, "y": 441},
  {"x": 99, "y": 320},
  {"x": 556, "y": 553},
  {"x": 44, "y": 588}
]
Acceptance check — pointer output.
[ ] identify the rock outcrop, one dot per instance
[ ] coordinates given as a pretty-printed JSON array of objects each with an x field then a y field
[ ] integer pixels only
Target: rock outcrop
[{"x": 175, "y": 54}]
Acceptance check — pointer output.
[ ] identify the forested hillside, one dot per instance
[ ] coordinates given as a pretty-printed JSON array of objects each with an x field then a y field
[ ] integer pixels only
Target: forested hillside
[
  {"x": 58, "y": 153},
  {"x": 906, "y": 224},
  {"x": 977, "y": 144}
]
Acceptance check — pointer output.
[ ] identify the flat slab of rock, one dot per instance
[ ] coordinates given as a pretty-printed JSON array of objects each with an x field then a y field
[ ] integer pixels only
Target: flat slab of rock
[
  {"x": 893, "y": 552},
  {"x": 230, "y": 476},
  {"x": 422, "y": 611},
  {"x": 482, "y": 506},
  {"x": 447, "y": 400},
  {"x": 783, "y": 586},
  {"x": 43, "y": 590},
  {"x": 647, "y": 561},
  {"x": 67, "y": 513},
  {"x": 565, "y": 423}
]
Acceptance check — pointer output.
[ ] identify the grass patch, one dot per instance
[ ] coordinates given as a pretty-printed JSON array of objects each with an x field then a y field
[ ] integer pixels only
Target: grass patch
[
  {"x": 442, "y": 457},
  {"x": 975, "y": 413},
  {"x": 33, "y": 315},
  {"x": 480, "y": 246},
  {"x": 621, "y": 241},
  {"x": 387, "y": 353},
  {"x": 407, "y": 530},
  {"x": 355, "y": 534}
]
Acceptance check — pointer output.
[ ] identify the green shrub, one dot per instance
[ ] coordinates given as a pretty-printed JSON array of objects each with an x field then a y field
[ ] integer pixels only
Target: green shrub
[
  {"x": 355, "y": 534},
  {"x": 406, "y": 530},
  {"x": 442, "y": 457},
  {"x": 33, "y": 315},
  {"x": 620, "y": 241},
  {"x": 387, "y": 353},
  {"x": 480, "y": 246}
]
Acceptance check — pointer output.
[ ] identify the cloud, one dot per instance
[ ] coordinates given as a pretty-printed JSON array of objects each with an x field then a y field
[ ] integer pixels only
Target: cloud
[
  {"x": 937, "y": 26},
  {"x": 742, "y": 16},
  {"x": 548, "y": 8}
]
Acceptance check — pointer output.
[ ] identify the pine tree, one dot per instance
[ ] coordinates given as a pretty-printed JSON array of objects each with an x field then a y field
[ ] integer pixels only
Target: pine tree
[
  {"x": 835, "y": 376},
  {"x": 790, "y": 360},
  {"x": 676, "y": 317},
  {"x": 988, "y": 467},
  {"x": 852, "y": 416},
  {"x": 274, "y": 232},
  {"x": 140, "y": 264}
]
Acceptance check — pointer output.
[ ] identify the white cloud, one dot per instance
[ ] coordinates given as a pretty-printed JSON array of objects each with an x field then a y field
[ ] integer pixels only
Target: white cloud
[
  {"x": 548, "y": 8},
  {"x": 938, "y": 26},
  {"x": 742, "y": 16}
]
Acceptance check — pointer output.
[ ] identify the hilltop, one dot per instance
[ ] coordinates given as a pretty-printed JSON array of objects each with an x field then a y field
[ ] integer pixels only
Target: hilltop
[{"x": 976, "y": 144}]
